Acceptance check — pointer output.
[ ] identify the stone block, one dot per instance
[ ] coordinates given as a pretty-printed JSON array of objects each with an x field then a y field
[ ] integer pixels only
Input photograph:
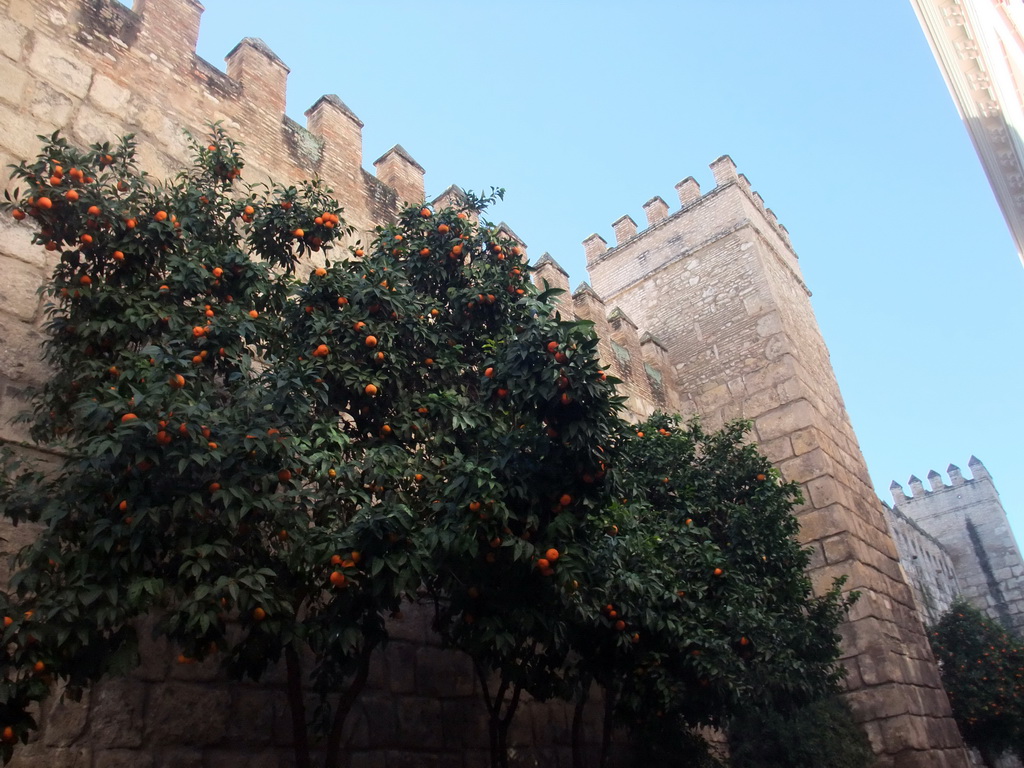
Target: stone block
[
  {"x": 419, "y": 723},
  {"x": 109, "y": 96},
  {"x": 56, "y": 63},
  {"x": 187, "y": 714},
  {"x": 869, "y": 704},
  {"x": 65, "y": 720},
  {"x": 15, "y": 82},
  {"x": 19, "y": 296},
  {"x": 16, "y": 242},
  {"x": 38, "y": 756},
  {"x": 252, "y": 717},
  {"x": 904, "y": 732},
  {"x": 808, "y": 466},
  {"x": 12, "y": 39},
  {"x": 824, "y": 491},
  {"x": 465, "y": 723},
  {"x": 397, "y": 759},
  {"x": 443, "y": 673},
  {"x": 368, "y": 760},
  {"x": 241, "y": 758},
  {"x": 122, "y": 758},
  {"x": 49, "y": 105},
  {"x": 784, "y": 420},
  {"x": 400, "y": 662},
  {"x": 92, "y": 126},
  {"x": 817, "y": 524},
  {"x": 118, "y": 714},
  {"x": 179, "y": 758},
  {"x": 777, "y": 450},
  {"x": 880, "y": 665}
]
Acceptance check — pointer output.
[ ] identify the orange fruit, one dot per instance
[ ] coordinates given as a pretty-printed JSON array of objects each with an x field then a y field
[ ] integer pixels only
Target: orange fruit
[
  {"x": 337, "y": 579},
  {"x": 321, "y": 351},
  {"x": 8, "y": 734},
  {"x": 85, "y": 280},
  {"x": 620, "y": 625},
  {"x": 489, "y": 373},
  {"x": 474, "y": 506},
  {"x": 418, "y": 478},
  {"x": 8, "y": 621},
  {"x": 761, "y": 477},
  {"x": 552, "y": 346},
  {"x": 253, "y": 314},
  {"x": 128, "y": 417},
  {"x": 259, "y": 614},
  {"x": 543, "y": 563},
  {"x": 118, "y": 256},
  {"x": 160, "y": 216},
  {"x": 425, "y": 213},
  {"x": 213, "y": 486},
  {"x": 443, "y": 229},
  {"x": 370, "y": 389},
  {"x": 298, "y": 232},
  {"x": 371, "y": 341},
  {"x": 718, "y": 572},
  {"x": 565, "y": 500},
  {"x": 18, "y": 214},
  {"x": 39, "y": 666},
  {"x": 284, "y": 475},
  {"x": 551, "y": 554}
]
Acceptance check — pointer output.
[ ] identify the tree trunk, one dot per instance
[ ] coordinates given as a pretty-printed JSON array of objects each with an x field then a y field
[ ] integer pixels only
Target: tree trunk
[
  {"x": 606, "y": 725},
  {"x": 344, "y": 706},
  {"x": 297, "y": 705},
  {"x": 577, "y": 724}
]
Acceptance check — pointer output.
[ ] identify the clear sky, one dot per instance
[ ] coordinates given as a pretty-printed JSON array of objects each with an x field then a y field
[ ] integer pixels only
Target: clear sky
[{"x": 836, "y": 112}]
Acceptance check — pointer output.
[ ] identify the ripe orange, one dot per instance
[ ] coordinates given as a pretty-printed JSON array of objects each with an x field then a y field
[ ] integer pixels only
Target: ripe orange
[
  {"x": 371, "y": 341},
  {"x": 39, "y": 666},
  {"x": 8, "y": 734},
  {"x": 118, "y": 256},
  {"x": 358, "y": 325},
  {"x": 18, "y": 214},
  {"x": 85, "y": 280},
  {"x": 71, "y": 196},
  {"x": 443, "y": 229},
  {"x": 299, "y": 232},
  {"x": 217, "y": 271},
  {"x": 259, "y": 614},
  {"x": 160, "y": 216},
  {"x": 320, "y": 272},
  {"x": 370, "y": 389},
  {"x": 620, "y": 625},
  {"x": 761, "y": 477},
  {"x": 425, "y": 213},
  {"x": 418, "y": 478},
  {"x": 543, "y": 563},
  {"x": 551, "y": 554},
  {"x": 8, "y": 621},
  {"x": 489, "y": 373},
  {"x": 321, "y": 351},
  {"x": 474, "y": 506},
  {"x": 284, "y": 475},
  {"x": 718, "y": 572},
  {"x": 552, "y": 346},
  {"x": 213, "y": 486},
  {"x": 565, "y": 500},
  {"x": 424, "y": 251},
  {"x": 337, "y": 579},
  {"x": 253, "y": 314},
  {"x": 128, "y": 417}
]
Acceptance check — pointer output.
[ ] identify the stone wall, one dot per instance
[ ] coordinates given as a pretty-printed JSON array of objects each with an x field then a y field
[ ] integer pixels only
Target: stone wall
[
  {"x": 928, "y": 566},
  {"x": 703, "y": 312},
  {"x": 422, "y": 708},
  {"x": 719, "y": 283},
  {"x": 968, "y": 519}
]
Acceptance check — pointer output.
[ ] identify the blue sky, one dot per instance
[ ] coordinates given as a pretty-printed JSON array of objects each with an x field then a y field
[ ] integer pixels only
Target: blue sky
[{"x": 836, "y": 112}]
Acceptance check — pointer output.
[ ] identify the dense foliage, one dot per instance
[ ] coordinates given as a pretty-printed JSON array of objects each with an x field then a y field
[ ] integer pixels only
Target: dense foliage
[
  {"x": 821, "y": 734},
  {"x": 270, "y": 447},
  {"x": 982, "y": 667}
]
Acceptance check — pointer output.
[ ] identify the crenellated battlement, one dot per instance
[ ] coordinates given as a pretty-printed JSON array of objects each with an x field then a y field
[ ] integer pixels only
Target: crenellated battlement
[
  {"x": 938, "y": 485},
  {"x": 657, "y": 211},
  {"x": 139, "y": 67}
]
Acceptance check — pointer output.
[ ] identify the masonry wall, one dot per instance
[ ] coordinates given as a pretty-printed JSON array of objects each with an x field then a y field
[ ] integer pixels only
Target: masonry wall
[
  {"x": 96, "y": 70},
  {"x": 931, "y": 572},
  {"x": 719, "y": 283},
  {"x": 968, "y": 519}
]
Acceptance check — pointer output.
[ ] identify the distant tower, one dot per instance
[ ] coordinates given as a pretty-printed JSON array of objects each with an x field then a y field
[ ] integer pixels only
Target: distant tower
[
  {"x": 968, "y": 519},
  {"x": 979, "y": 46},
  {"x": 719, "y": 285}
]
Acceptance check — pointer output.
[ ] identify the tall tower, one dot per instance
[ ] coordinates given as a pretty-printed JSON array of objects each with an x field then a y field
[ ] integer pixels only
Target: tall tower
[
  {"x": 979, "y": 46},
  {"x": 968, "y": 519},
  {"x": 718, "y": 283}
]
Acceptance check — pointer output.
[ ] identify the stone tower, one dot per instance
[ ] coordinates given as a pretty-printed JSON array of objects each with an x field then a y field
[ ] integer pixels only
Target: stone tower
[
  {"x": 968, "y": 519},
  {"x": 718, "y": 283}
]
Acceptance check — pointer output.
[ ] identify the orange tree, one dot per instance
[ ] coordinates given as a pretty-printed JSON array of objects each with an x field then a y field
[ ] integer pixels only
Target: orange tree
[
  {"x": 692, "y": 603},
  {"x": 271, "y": 464},
  {"x": 982, "y": 668}
]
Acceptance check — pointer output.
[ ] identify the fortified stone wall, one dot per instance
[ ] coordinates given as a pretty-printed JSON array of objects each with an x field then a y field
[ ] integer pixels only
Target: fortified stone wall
[
  {"x": 97, "y": 70},
  {"x": 929, "y": 568},
  {"x": 968, "y": 519},
  {"x": 719, "y": 283},
  {"x": 708, "y": 314}
]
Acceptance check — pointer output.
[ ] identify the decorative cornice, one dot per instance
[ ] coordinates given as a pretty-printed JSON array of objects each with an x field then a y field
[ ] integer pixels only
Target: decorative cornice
[{"x": 980, "y": 51}]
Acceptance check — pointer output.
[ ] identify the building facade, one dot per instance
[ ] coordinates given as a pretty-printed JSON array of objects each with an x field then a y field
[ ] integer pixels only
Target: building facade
[
  {"x": 966, "y": 519},
  {"x": 703, "y": 312},
  {"x": 979, "y": 47}
]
